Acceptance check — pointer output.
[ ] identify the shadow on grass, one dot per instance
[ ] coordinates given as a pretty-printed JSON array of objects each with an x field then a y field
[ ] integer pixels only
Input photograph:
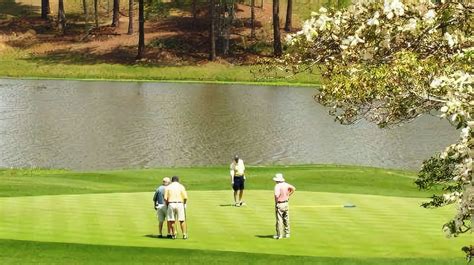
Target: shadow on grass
[
  {"x": 86, "y": 56},
  {"x": 151, "y": 236},
  {"x": 173, "y": 41},
  {"x": 265, "y": 236},
  {"x": 12, "y": 8}
]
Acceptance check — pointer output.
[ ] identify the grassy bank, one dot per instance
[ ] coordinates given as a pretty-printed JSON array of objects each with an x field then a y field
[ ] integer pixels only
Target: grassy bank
[
  {"x": 15, "y": 64},
  {"x": 32, "y": 48}
]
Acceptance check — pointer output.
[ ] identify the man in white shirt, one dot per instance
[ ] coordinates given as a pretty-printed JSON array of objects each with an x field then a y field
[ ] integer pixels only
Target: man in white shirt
[{"x": 237, "y": 179}]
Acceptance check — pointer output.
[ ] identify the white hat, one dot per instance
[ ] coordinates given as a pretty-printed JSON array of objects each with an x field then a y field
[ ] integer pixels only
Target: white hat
[
  {"x": 166, "y": 180},
  {"x": 278, "y": 177}
]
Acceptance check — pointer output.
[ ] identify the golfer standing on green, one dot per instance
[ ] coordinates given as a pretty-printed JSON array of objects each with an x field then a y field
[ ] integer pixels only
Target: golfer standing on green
[
  {"x": 160, "y": 207},
  {"x": 237, "y": 179},
  {"x": 176, "y": 198},
  {"x": 282, "y": 192}
]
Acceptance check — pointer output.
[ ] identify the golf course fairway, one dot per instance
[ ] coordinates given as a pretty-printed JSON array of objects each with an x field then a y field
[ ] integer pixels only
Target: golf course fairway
[{"x": 102, "y": 217}]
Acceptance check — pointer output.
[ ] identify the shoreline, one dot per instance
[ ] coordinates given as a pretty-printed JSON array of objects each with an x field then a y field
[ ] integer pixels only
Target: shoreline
[{"x": 177, "y": 81}]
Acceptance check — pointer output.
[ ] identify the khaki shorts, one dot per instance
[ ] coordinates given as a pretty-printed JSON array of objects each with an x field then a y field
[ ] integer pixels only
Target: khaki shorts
[
  {"x": 176, "y": 211},
  {"x": 161, "y": 212}
]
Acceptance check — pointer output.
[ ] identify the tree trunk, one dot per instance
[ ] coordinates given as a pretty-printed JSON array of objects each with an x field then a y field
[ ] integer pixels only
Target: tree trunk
[
  {"x": 61, "y": 17},
  {"x": 194, "y": 11},
  {"x": 212, "y": 31},
  {"x": 115, "y": 16},
  {"x": 84, "y": 8},
  {"x": 45, "y": 9},
  {"x": 252, "y": 19},
  {"x": 141, "y": 30},
  {"x": 277, "y": 51},
  {"x": 289, "y": 12},
  {"x": 130, "y": 17},
  {"x": 96, "y": 13}
]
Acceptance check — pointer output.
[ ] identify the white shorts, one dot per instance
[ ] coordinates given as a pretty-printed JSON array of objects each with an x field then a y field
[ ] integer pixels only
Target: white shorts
[
  {"x": 161, "y": 211},
  {"x": 176, "y": 211}
]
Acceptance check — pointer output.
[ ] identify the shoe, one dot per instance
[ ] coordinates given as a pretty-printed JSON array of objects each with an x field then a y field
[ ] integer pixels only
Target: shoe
[
  {"x": 237, "y": 204},
  {"x": 173, "y": 237},
  {"x": 286, "y": 236},
  {"x": 169, "y": 236},
  {"x": 185, "y": 236},
  {"x": 241, "y": 203},
  {"x": 277, "y": 237}
]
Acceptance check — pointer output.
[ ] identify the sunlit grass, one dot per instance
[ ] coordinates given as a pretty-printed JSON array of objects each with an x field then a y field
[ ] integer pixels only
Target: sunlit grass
[
  {"x": 66, "y": 217},
  {"x": 16, "y": 64}
]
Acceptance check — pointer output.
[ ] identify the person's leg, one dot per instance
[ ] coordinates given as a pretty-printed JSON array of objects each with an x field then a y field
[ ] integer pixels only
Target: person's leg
[
  {"x": 235, "y": 197},
  {"x": 279, "y": 221},
  {"x": 171, "y": 217},
  {"x": 181, "y": 216},
  {"x": 184, "y": 229},
  {"x": 161, "y": 219},
  {"x": 160, "y": 228},
  {"x": 286, "y": 223},
  {"x": 241, "y": 193},
  {"x": 171, "y": 226}
]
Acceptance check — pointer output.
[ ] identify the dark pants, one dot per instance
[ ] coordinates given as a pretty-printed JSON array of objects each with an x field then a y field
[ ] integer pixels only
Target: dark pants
[{"x": 238, "y": 183}]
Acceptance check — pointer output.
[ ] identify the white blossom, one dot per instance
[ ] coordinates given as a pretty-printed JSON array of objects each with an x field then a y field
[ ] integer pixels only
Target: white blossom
[
  {"x": 411, "y": 26},
  {"x": 393, "y": 7},
  {"x": 374, "y": 20},
  {"x": 450, "y": 39},
  {"x": 321, "y": 23},
  {"x": 436, "y": 83},
  {"x": 352, "y": 41},
  {"x": 430, "y": 16}
]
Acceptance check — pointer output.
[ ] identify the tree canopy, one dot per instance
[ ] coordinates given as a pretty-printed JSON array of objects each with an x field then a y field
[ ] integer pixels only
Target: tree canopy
[{"x": 391, "y": 61}]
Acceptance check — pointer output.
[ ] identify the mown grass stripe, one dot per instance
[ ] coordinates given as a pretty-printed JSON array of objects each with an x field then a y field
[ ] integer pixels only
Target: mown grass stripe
[
  {"x": 322, "y": 178},
  {"x": 30, "y": 252}
]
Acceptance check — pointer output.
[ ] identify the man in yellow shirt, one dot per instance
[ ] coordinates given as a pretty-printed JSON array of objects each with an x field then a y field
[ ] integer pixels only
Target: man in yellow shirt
[
  {"x": 176, "y": 198},
  {"x": 237, "y": 178}
]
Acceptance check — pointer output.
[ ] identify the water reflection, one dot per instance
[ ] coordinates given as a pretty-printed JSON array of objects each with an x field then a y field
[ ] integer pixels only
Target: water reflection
[{"x": 108, "y": 125}]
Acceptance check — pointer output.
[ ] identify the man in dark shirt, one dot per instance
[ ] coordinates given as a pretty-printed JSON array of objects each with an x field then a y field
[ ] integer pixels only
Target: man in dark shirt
[{"x": 160, "y": 206}]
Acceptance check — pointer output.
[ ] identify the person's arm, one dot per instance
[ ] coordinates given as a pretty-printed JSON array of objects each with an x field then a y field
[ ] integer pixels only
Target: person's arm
[
  {"x": 155, "y": 198},
  {"x": 166, "y": 196},
  {"x": 184, "y": 196},
  {"x": 243, "y": 169},
  {"x": 232, "y": 172},
  {"x": 291, "y": 189}
]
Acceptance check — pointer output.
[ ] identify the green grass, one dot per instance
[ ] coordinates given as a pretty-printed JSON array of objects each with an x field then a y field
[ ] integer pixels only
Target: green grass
[
  {"x": 17, "y": 65},
  {"x": 125, "y": 219},
  {"x": 59, "y": 217},
  {"x": 323, "y": 178},
  {"x": 62, "y": 253}
]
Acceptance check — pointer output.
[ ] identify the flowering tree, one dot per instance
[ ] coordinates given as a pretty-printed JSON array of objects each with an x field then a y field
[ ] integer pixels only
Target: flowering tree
[{"x": 390, "y": 62}]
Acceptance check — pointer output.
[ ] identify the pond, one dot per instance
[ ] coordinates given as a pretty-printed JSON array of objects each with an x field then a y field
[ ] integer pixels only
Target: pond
[{"x": 85, "y": 125}]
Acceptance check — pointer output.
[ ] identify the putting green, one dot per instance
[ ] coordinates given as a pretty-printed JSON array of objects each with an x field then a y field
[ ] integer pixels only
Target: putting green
[{"x": 379, "y": 226}]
